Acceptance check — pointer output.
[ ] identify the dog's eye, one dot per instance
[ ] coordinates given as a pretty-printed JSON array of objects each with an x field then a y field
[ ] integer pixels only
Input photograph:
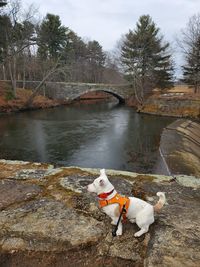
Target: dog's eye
[{"x": 101, "y": 182}]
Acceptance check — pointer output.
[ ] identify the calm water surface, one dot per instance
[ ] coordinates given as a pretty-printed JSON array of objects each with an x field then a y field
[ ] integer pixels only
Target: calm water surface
[{"x": 104, "y": 135}]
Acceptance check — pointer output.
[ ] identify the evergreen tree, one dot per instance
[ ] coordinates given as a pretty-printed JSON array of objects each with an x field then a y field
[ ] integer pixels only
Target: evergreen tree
[
  {"x": 95, "y": 61},
  {"x": 74, "y": 57},
  {"x": 146, "y": 60},
  {"x": 3, "y": 3},
  {"x": 51, "y": 37},
  {"x": 191, "y": 40},
  {"x": 5, "y": 28},
  {"x": 75, "y": 48},
  {"x": 191, "y": 71}
]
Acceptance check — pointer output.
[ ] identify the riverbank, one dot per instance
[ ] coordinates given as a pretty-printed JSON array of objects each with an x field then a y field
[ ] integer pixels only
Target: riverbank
[
  {"x": 47, "y": 217},
  {"x": 179, "y": 101},
  {"x": 10, "y": 104},
  {"x": 176, "y": 102}
]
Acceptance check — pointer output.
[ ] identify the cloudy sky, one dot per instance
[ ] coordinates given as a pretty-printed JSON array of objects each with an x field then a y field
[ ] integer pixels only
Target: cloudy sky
[{"x": 106, "y": 20}]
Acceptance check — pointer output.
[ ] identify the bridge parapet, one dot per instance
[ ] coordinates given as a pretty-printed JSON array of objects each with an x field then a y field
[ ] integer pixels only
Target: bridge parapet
[{"x": 72, "y": 91}]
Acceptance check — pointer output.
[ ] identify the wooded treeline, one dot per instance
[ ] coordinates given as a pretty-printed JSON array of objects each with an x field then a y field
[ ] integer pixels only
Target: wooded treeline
[
  {"x": 31, "y": 50},
  {"x": 35, "y": 50}
]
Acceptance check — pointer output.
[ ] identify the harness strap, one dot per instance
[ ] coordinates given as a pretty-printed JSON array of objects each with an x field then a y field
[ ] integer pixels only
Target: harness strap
[{"x": 117, "y": 199}]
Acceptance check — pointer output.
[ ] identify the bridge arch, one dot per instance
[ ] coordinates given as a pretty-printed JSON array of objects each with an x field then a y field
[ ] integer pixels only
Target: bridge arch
[{"x": 111, "y": 92}]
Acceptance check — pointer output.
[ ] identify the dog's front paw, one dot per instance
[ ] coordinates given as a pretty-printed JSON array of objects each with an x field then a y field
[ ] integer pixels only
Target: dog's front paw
[
  {"x": 119, "y": 232},
  {"x": 137, "y": 234},
  {"x": 113, "y": 223}
]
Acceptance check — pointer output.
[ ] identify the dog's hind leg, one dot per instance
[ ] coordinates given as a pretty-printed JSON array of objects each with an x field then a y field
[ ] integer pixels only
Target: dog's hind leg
[
  {"x": 143, "y": 219},
  {"x": 142, "y": 231}
]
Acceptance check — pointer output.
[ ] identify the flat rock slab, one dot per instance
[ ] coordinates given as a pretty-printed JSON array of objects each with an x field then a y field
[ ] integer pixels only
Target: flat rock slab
[
  {"x": 21, "y": 170},
  {"x": 175, "y": 236},
  {"x": 12, "y": 192},
  {"x": 48, "y": 225}
]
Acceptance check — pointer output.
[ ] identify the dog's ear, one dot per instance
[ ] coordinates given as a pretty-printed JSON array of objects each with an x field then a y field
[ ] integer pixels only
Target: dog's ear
[
  {"x": 102, "y": 171},
  {"x": 101, "y": 182}
]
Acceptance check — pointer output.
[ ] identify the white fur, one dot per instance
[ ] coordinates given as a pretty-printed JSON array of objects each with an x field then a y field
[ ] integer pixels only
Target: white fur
[{"x": 139, "y": 212}]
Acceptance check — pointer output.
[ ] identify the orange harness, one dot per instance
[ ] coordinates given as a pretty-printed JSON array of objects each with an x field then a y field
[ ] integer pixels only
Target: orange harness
[{"x": 117, "y": 199}]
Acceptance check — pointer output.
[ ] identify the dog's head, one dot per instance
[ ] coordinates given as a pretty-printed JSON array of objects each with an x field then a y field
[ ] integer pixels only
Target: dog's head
[{"x": 100, "y": 184}]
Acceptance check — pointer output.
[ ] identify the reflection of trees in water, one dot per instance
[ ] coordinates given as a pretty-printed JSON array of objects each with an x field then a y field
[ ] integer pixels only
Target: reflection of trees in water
[
  {"x": 144, "y": 155},
  {"x": 104, "y": 135},
  {"x": 13, "y": 154}
]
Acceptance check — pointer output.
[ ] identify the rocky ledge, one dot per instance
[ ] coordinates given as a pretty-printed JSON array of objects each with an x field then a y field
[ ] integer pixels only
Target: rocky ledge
[{"x": 48, "y": 218}]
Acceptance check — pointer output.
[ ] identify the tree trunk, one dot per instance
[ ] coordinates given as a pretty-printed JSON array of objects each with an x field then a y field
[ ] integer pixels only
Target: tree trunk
[
  {"x": 24, "y": 73},
  {"x": 14, "y": 76},
  {"x": 4, "y": 72},
  {"x": 137, "y": 85},
  {"x": 37, "y": 89},
  {"x": 12, "y": 71}
]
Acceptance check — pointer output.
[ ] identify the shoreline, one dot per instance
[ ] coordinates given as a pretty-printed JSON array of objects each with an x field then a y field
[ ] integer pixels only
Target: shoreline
[
  {"x": 12, "y": 109},
  {"x": 170, "y": 104}
]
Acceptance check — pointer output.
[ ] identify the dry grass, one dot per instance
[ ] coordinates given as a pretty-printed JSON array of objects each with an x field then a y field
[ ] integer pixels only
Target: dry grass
[
  {"x": 181, "y": 89},
  {"x": 22, "y": 96},
  {"x": 177, "y": 92}
]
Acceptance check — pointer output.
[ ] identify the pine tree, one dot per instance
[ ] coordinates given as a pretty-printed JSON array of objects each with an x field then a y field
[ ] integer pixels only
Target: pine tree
[
  {"x": 3, "y": 3},
  {"x": 51, "y": 37},
  {"x": 95, "y": 61},
  {"x": 191, "y": 71},
  {"x": 145, "y": 58},
  {"x": 191, "y": 41},
  {"x": 6, "y": 27},
  {"x": 74, "y": 57}
]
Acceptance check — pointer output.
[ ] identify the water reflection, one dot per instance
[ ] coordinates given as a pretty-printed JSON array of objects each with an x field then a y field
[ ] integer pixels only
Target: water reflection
[{"x": 103, "y": 135}]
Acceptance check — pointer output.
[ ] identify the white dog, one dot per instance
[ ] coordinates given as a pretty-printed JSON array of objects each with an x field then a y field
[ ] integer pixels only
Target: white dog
[{"x": 137, "y": 210}]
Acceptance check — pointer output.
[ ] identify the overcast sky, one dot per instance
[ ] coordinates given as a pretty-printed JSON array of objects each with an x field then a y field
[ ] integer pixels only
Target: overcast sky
[{"x": 106, "y": 20}]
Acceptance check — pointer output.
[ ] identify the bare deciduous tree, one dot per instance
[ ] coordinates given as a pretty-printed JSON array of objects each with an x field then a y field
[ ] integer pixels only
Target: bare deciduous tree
[{"x": 18, "y": 32}]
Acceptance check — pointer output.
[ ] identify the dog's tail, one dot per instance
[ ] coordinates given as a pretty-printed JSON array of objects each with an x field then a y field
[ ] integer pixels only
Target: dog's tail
[{"x": 160, "y": 202}]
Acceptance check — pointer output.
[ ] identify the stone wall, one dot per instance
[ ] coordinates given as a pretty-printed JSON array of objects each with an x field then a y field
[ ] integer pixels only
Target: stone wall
[
  {"x": 178, "y": 107},
  {"x": 180, "y": 147}
]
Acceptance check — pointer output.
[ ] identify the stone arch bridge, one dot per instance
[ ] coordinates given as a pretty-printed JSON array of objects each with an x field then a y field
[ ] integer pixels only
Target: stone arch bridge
[{"x": 72, "y": 91}]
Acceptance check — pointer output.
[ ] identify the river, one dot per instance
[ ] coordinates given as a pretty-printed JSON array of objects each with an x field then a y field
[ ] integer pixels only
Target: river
[{"x": 103, "y": 135}]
